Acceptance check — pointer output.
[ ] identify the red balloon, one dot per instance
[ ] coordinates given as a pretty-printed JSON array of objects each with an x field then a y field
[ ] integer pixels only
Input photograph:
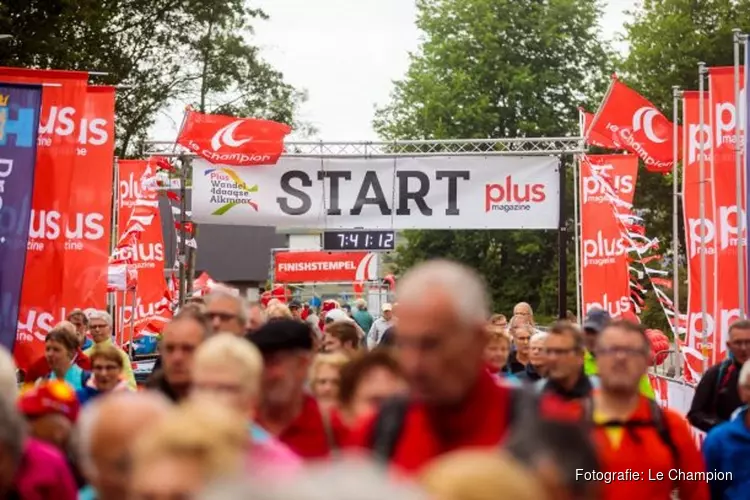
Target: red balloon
[{"x": 659, "y": 346}]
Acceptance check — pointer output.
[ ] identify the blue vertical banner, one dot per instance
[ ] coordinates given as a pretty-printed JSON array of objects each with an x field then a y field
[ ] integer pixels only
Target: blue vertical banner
[{"x": 19, "y": 126}]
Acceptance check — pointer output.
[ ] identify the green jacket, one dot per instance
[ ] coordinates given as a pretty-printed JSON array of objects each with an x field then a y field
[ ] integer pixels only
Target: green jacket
[{"x": 590, "y": 368}]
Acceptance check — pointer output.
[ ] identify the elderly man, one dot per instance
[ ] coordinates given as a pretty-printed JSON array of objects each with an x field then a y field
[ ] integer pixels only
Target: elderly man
[
  {"x": 107, "y": 429},
  {"x": 100, "y": 326},
  {"x": 455, "y": 403},
  {"x": 227, "y": 310},
  {"x": 180, "y": 339},
  {"x": 379, "y": 326}
]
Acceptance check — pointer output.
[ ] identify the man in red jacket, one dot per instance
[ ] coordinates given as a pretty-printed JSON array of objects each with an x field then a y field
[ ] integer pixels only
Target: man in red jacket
[{"x": 440, "y": 340}]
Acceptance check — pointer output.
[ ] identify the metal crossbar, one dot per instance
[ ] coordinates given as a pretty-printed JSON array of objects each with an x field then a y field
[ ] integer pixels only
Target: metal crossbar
[{"x": 528, "y": 146}]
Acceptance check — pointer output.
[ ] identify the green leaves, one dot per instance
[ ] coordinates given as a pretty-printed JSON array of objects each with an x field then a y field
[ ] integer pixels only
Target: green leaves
[{"x": 498, "y": 68}]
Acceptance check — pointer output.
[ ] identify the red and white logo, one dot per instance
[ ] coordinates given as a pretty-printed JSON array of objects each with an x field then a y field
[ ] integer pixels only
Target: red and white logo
[
  {"x": 602, "y": 251},
  {"x": 643, "y": 119},
  {"x": 300, "y": 267},
  {"x": 225, "y": 136},
  {"x": 510, "y": 196}
]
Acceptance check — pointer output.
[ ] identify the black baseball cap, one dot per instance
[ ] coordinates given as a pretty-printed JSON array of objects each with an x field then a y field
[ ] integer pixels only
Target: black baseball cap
[
  {"x": 280, "y": 335},
  {"x": 295, "y": 304},
  {"x": 596, "y": 320}
]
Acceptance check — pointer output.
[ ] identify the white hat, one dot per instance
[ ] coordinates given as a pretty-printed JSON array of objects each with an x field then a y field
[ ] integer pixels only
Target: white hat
[
  {"x": 387, "y": 307},
  {"x": 337, "y": 315}
]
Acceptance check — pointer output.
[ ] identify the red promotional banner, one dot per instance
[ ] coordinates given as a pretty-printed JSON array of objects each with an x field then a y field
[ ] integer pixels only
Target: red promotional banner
[
  {"x": 151, "y": 304},
  {"x": 604, "y": 251},
  {"x": 85, "y": 268},
  {"x": 55, "y": 226},
  {"x": 594, "y": 138},
  {"x": 635, "y": 125},
  {"x": 300, "y": 267},
  {"x": 724, "y": 119},
  {"x": 694, "y": 229},
  {"x": 233, "y": 141}
]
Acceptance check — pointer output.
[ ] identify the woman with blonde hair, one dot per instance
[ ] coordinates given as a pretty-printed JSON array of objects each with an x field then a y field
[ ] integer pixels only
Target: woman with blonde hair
[
  {"x": 192, "y": 447},
  {"x": 325, "y": 375},
  {"x": 479, "y": 475},
  {"x": 107, "y": 370},
  {"x": 278, "y": 310}
]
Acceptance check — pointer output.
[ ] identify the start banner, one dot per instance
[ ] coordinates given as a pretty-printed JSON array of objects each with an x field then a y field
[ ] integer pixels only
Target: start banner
[
  {"x": 604, "y": 269},
  {"x": 382, "y": 193},
  {"x": 321, "y": 267}
]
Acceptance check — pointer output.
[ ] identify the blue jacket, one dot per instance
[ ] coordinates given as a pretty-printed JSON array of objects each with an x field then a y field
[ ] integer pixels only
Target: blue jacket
[{"x": 727, "y": 449}]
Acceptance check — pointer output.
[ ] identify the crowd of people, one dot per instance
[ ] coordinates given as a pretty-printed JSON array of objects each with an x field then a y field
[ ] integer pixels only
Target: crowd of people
[{"x": 435, "y": 398}]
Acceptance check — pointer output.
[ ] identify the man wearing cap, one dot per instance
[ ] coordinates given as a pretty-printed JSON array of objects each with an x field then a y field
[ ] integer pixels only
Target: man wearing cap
[
  {"x": 287, "y": 411},
  {"x": 361, "y": 315},
  {"x": 296, "y": 309},
  {"x": 593, "y": 324},
  {"x": 380, "y": 326}
]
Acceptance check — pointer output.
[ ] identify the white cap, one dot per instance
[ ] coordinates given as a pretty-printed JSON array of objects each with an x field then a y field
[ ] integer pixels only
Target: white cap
[
  {"x": 337, "y": 315},
  {"x": 387, "y": 307}
]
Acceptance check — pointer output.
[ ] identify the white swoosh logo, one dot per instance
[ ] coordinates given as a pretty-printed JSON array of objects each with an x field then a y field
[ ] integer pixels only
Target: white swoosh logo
[
  {"x": 644, "y": 118},
  {"x": 226, "y": 135}
]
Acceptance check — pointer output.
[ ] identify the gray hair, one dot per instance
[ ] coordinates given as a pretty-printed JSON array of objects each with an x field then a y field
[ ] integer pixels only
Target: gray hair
[
  {"x": 226, "y": 292},
  {"x": 8, "y": 378},
  {"x": 102, "y": 315},
  {"x": 529, "y": 329},
  {"x": 12, "y": 429},
  {"x": 541, "y": 336},
  {"x": 342, "y": 480},
  {"x": 89, "y": 418},
  {"x": 463, "y": 285}
]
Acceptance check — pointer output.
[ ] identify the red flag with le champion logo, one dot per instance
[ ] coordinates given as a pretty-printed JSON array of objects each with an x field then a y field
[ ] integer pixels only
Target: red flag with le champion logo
[
  {"x": 227, "y": 140},
  {"x": 634, "y": 124}
]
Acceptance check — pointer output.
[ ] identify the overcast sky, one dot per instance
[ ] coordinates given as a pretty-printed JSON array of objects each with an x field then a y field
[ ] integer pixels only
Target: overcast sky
[{"x": 346, "y": 55}]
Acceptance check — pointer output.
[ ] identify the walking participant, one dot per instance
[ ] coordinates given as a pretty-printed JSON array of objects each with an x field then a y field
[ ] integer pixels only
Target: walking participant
[
  {"x": 537, "y": 367},
  {"x": 727, "y": 449},
  {"x": 454, "y": 402},
  {"x": 287, "y": 411},
  {"x": 645, "y": 451},
  {"x": 717, "y": 395},
  {"x": 379, "y": 326},
  {"x": 100, "y": 326},
  {"x": 227, "y": 310},
  {"x": 565, "y": 377}
]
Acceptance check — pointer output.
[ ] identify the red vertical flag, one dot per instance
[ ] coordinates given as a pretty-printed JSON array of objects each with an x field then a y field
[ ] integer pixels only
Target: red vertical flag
[
  {"x": 634, "y": 124},
  {"x": 55, "y": 225}
]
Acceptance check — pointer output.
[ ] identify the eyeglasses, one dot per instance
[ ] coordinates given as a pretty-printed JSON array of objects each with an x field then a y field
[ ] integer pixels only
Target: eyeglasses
[
  {"x": 740, "y": 343},
  {"x": 105, "y": 368},
  {"x": 223, "y": 316},
  {"x": 628, "y": 352},
  {"x": 558, "y": 351},
  {"x": 97, "y": 327}
]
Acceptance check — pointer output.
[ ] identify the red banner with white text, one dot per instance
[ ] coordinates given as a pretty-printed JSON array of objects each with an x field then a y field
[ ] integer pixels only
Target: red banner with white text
[
  {"x": 724, "y": 119},
  {"x": 604, "y": 251},
  {"x": 151, "y": 308},
  {"x": 54, "y": 225},
  {"x": 300, "y": 267},
  {"x": 692, "y": 348}
]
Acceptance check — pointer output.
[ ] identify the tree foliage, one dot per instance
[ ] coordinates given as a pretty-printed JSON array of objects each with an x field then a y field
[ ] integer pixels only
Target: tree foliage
[
  {"x": 160, "y": 52},
  {"x": 494, "y": 69}
]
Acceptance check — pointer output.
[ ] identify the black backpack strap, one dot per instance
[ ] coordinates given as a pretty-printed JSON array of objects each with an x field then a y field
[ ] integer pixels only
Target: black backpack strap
[
  {"x": 662, "y": 429},
  {"x": 389, "y": 425}
]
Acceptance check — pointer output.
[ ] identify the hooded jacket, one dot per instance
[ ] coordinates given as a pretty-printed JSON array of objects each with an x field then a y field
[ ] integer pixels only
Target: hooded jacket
[{"x": 727, "y": 449}]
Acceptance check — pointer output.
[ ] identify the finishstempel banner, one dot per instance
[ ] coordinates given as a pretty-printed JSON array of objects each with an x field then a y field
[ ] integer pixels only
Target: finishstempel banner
[
  {"x": 724, "y": 119},
  {"x": 54, "y": 227},
  {"x": 693, "y": 344},
  {"x": 604, "y": 250},
  {"x": 148, "y": 255},
  {"x": 321, "y": 267},
  {"x": 20, "y": 106},
  {"x": 382, "y": 193}
]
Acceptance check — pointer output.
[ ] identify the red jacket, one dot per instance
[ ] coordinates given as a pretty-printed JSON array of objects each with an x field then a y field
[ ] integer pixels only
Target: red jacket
[
  {"x": 481, "y": 421},
  {"x": 40, "y": 367},
  {"x": 642, "y": 451},
  {"x": 307, "y": 435}
]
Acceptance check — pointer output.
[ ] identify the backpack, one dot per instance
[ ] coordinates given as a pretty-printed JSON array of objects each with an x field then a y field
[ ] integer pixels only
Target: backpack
[
  {"x": 389, "y": 422},
  {"x": 725, "y": 372},
  {"x": 657, "y": 422}
]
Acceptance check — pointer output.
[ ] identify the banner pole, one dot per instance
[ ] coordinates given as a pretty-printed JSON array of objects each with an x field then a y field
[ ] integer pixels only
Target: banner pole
[
  {"x": 675, "y": 211},
  {"x": 736, "y": 35},
  {"x": 562, "y": 248},
  {"x": 132, "y": 323},
  {"x": 181, "y": 253},
  {"x": 702, "y": 211},
  {"x": 576, "y": 237}
]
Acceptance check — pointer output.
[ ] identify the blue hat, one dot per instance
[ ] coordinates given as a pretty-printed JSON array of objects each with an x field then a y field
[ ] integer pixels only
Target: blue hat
[{"x": 596, "y": 320}]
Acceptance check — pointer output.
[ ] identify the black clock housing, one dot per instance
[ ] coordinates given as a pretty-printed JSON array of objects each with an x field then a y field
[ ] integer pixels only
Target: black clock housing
[{"x": 359, "y": 240}]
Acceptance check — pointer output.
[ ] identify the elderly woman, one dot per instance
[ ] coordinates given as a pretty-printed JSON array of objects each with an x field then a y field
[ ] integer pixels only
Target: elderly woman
[
  {"x": 40, "y": 367},
  {"x": 107, "y": 368},
  {"x": 60, "y": 348},
  {"x": 227, "y": 371},
  {"x": 189, "y": 449}
]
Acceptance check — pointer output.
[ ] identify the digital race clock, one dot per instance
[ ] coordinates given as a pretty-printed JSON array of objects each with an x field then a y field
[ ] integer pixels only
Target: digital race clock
[{"x": 359, "y": 240}]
